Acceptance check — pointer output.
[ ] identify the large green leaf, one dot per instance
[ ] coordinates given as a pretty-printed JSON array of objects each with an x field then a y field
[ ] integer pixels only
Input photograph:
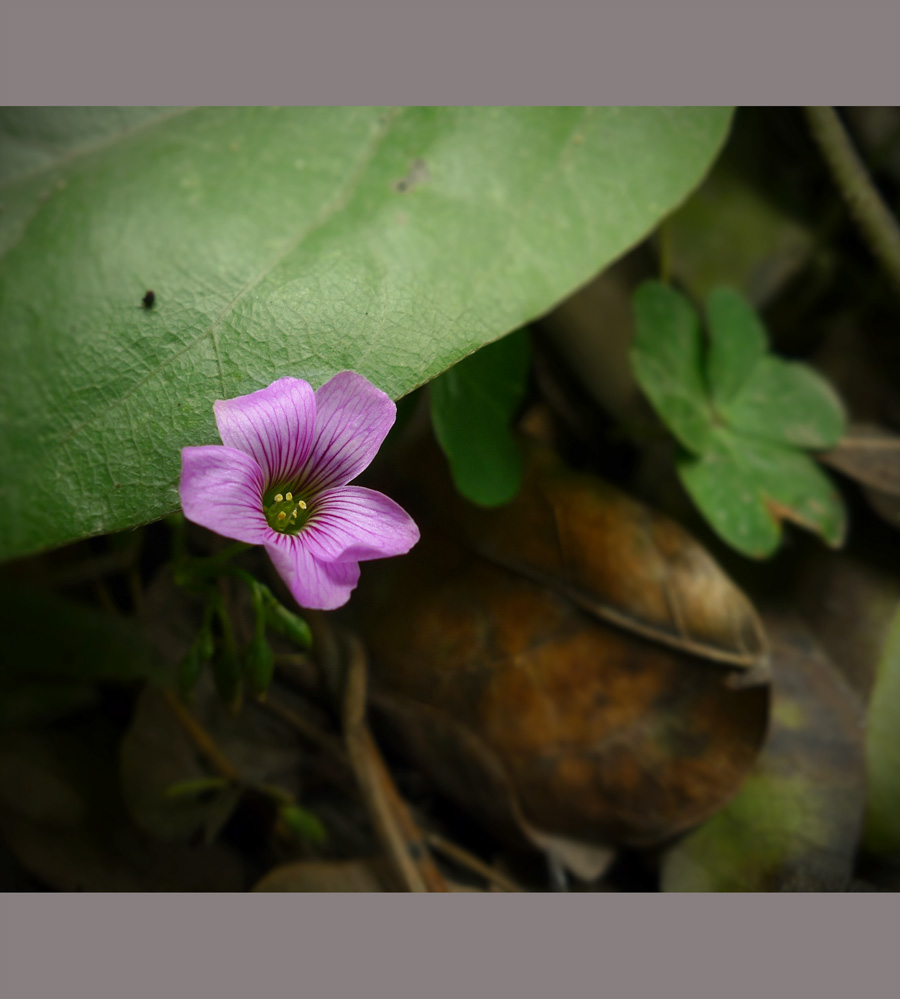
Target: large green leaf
[{"x": 281, "y": 241}]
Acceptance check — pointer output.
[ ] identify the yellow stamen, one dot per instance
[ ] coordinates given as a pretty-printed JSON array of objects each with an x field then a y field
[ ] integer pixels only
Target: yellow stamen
[
  {"x": 301, "y": 504},
  {"x": 278, "y": 497},
  {"x": 288, "y": 496},
  {"x": 281, "y": 516}
]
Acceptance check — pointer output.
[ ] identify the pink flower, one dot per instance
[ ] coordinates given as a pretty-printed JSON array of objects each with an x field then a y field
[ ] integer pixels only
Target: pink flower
[{"x": 281, "y": 481}]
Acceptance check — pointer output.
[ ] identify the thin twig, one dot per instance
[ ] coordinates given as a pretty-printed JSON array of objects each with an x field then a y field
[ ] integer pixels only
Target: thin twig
[
  {"x": 416, "y": 844},
  {"x": 465, "y": 859},
  {"x": 867, "y": 207},
  {"x": 403, "y": 842}
]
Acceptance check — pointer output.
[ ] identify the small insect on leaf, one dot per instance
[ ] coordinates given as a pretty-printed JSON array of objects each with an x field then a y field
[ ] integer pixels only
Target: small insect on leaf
[{"x": 148, "y": 299}]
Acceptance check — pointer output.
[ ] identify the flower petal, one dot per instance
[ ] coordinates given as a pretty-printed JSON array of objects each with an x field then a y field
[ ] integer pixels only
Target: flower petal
[
  {"x": 315, "y": 585},
  {"x": 353, "y": 417},
  {"x": 274, "y": 425},
  {"x": 221, "y": 489},
  {"x": 355, "y": 524}
]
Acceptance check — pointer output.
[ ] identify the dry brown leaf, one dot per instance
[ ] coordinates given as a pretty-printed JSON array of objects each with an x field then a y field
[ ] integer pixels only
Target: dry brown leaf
[
  {"x": 493, "y": 680},
  {"x": 614, "y": 557},
  {"x": 870, "y": 454}
]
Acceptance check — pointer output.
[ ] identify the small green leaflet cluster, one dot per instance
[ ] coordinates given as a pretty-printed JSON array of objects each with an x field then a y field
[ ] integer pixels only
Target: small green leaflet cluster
[
  {"x": 235, "y": 669},
  {"x": 745, "y": 419}
]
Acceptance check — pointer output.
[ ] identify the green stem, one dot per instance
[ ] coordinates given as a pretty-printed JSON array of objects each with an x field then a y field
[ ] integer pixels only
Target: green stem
[
  {"x": 866, "y": 205},
  {"x": 221, "y": 610}
]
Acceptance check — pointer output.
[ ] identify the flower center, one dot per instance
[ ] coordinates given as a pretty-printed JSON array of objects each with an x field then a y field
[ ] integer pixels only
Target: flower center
[{"x": 285, "y": 511}]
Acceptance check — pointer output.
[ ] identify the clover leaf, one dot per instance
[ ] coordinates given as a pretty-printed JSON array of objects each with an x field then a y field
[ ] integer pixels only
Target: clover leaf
[{"x": 745, "y": 418}]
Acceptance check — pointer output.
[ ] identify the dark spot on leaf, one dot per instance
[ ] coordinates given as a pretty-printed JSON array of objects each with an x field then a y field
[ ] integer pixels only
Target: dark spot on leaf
[
  {"x": 148, "y": 299},
  {"x": 417, "y": 174}
]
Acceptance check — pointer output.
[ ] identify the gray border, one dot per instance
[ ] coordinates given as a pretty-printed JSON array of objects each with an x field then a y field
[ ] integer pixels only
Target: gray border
[
  {"x": 426, "y": 947},
  {"x": 615, "y": 946},
  {"x": 448, "y": 51}
]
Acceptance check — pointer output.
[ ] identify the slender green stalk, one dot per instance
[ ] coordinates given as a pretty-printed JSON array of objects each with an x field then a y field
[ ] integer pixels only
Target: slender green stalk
[{"x": 866, "y": 205}]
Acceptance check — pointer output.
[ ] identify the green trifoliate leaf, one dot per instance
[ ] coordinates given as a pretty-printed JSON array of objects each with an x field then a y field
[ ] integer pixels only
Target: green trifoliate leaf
[
  {"x": 745, "y": 489},
  {"x": 667, "y": 355},
  {"x": 763, "y": 396},
  {"x": 743, "y": 415},
  {"x": 737, "y": 343},
  {"x": 787, "y": 403}
]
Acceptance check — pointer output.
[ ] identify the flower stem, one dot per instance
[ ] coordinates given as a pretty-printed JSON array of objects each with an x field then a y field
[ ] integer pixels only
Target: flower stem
[{"x": 866, "y": 205}]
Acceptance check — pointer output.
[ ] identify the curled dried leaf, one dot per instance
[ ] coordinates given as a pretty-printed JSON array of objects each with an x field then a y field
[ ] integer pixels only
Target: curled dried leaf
[
  {"x": 870, "y": 454},
  {"x": 495, "y": 681},
  {"x": 618, "y": 560}
]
